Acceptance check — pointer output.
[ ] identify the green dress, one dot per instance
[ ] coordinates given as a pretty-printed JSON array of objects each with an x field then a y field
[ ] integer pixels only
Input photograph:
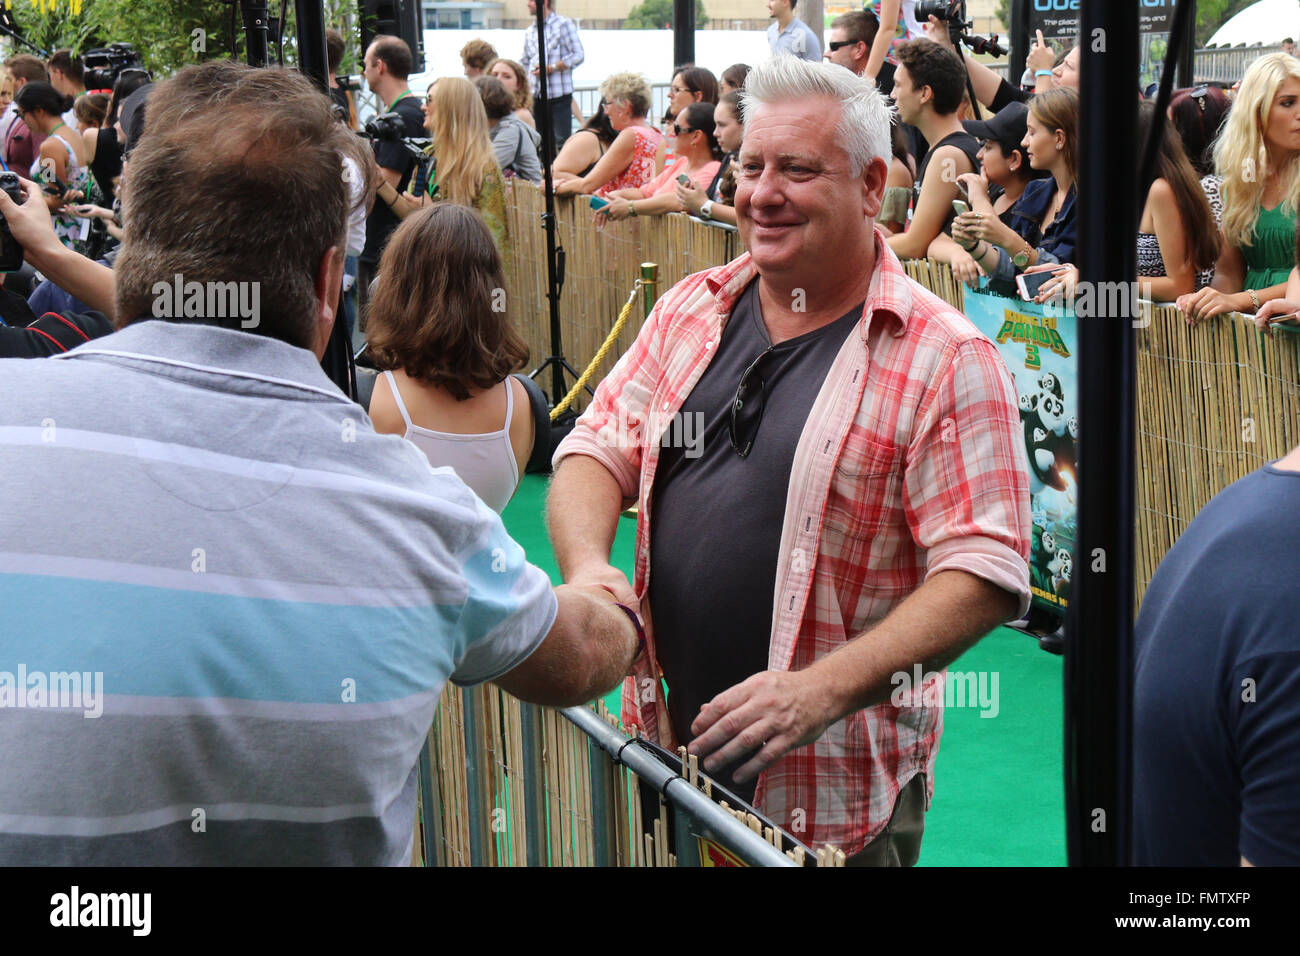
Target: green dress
[{"x": 1271, "y": 254}]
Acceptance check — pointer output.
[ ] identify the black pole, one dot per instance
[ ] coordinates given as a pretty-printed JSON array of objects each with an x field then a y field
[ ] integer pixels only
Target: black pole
[
  {"x": 1187, "y": 61},
  {"x": 1099, "y": 642},
  {"x": 553, "y": 275},
  {"x": 312, "y": 59},
  {"x": 256, "y": 27},
  {"x": 1020, "y": 40},
  {"x": 683, "y": 32}
]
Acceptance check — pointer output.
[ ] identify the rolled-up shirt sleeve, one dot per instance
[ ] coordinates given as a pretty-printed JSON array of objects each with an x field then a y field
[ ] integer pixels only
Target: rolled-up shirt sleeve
[{"x": 966, "y": 485}]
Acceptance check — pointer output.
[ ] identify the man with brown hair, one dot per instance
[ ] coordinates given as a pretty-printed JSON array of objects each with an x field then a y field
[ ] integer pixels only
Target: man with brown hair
[
  {"x": 852, "y": 35},
  {"x": 261, "y": 596},
  {"x": 476, "y": 56},
  {"x": 67, "y": 76},
  {"x": 19, "y": 146}
]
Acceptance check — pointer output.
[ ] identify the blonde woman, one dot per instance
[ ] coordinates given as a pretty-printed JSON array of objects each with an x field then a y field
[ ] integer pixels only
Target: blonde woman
[
  {"x": 464, "y": 168},
  {"x": 511, "y": 75},
  {"x": 1258, "y": 156},
  {"x": 634, "y": 158}
]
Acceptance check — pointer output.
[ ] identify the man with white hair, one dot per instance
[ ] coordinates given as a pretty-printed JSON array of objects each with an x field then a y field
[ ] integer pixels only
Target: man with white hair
[{"x": 832, "y": 501}]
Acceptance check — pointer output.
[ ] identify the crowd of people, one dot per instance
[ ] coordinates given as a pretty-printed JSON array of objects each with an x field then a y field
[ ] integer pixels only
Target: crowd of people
[{"x": 860, "y": 458}]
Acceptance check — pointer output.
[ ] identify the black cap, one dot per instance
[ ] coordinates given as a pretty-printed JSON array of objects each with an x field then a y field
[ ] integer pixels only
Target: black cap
[
  {"x": 131, "y": 115},
  {"x": 1008, "y": 127}
]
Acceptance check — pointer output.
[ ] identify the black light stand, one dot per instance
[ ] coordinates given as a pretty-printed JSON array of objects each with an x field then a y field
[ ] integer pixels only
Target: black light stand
[{"x": 554, "y": 254}]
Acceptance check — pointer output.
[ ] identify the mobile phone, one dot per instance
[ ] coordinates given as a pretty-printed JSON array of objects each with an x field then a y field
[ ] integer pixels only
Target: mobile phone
[
  {"x": 598, "y": 202},
  {"x": 684, "y": 179},
  {"x": 959, "y": 207},
  {"x": 1030, "y": 283}
]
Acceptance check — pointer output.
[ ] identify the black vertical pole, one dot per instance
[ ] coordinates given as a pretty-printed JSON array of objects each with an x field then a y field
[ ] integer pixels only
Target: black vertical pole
[
  {"x": 1098, "y": 657},
  {"x": 683, "y": 32},
  {"x": 1187, "y": 61},
  {"x": 256, "y": 27},
  {"x": 552, "y": 266},
  {"x": 1018, "y": 42},
  {"x": 312, "y": 60}
]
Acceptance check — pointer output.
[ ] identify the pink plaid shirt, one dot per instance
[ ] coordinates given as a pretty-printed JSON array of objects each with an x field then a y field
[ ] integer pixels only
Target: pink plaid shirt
[{"x": 910, "y": 463}]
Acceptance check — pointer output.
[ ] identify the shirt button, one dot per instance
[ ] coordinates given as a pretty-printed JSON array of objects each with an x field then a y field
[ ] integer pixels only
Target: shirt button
[
  {"x": 665, "y": 406},
  {"x": 708, "y": 345}
]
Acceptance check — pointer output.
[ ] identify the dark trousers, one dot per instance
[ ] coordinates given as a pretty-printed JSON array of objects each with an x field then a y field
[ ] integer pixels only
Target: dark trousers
[
  {"x": 557, "y": 112},
  {"x": 899, "y": 844}
]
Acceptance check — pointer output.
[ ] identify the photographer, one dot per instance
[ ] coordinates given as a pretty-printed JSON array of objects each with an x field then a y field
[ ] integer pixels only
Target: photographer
[
  {"x": 348, "y": 581},
  {"x": 992, "y": 90},
  {"x": 388, "y": 63}
]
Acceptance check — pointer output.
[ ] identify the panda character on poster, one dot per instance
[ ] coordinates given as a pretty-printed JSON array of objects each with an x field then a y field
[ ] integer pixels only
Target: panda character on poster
[{"x": 1051, "y": 442}]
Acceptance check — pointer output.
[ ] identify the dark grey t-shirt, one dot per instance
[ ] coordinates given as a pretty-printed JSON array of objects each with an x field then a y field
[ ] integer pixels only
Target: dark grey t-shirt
[{"x": 718, "y": 517}]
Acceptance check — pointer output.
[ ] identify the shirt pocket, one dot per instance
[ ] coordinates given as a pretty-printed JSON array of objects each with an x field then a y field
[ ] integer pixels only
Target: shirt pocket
[{"x": 864, "y": 495}]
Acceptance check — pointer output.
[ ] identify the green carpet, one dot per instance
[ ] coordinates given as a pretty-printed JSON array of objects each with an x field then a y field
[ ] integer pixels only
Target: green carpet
[{"x": 999, "y": 796}]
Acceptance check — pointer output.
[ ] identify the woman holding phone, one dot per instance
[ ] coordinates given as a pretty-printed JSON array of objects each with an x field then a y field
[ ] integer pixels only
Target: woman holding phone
[
  {"x": 698, "y": 160},
  {"x": 1043, "y": 224}
]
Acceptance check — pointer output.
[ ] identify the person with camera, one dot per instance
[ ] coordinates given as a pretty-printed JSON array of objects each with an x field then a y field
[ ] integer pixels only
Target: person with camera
[
  {"x": 388, "y": 63},
  {"x": 322, "y": 582},
  {"x": 992, "y": 90},
  {"x": 61, "y": 167}
]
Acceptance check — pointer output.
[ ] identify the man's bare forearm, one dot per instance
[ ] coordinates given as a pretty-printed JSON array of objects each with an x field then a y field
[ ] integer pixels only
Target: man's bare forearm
[
  {"x": 81, "y": 278},
  {"x": 941, "y": 620},
  {"x": 582, "y": 511},
  {"x": 587, "y": 652}
]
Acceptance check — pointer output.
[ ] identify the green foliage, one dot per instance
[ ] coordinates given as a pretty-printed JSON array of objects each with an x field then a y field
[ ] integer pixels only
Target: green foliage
[
  {"x": 169, "y": 34},
  {"x": 1212, "y": 14},
  {"x": 658, "y": 15}
]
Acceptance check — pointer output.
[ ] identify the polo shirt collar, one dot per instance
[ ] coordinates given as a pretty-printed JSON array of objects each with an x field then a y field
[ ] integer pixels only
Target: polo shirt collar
[
  {"x": 889, "y": 295},
  {"x": 211, "y": 349}
]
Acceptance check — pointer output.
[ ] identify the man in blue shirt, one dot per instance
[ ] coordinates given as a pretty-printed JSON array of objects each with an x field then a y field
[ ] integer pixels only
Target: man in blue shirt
[
  {"x": 1216, "y": 692},
  {"x": 233, "y": 621},
  {"x": 791, "y": 35}
]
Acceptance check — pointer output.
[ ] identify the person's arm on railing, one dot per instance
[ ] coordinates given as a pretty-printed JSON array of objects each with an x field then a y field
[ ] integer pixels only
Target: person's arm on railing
[
  {"x": 692, "y": 199},
  {"x": 964, "y": 267},
  {"x": 932, "y": 207},
  {"x": 1290, "y": 305},
  {"x": 615, "y": 160},
  {"x": 1226, "y": 293},
  {"x": 587, "y": 652}
]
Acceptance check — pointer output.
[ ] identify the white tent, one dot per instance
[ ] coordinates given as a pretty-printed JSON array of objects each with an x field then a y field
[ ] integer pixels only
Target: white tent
[{"x": 1268, "y": 22}]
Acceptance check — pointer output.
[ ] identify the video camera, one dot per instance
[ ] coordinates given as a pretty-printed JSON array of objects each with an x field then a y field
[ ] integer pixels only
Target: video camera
[
  {"x": 106, "y": 64},
  {"x": 391, "y": 128},
  {"x": 953, "y": 13}
]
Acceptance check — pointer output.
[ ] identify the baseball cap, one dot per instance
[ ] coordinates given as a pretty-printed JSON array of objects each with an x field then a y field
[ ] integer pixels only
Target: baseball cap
[
  {"x": 1007, "y": 126},
  {"x": 131, "y": 115}
]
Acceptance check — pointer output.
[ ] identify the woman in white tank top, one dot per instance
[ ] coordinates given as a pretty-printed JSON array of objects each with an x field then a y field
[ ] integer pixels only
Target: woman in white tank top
[{"x": 447, "y": 354}]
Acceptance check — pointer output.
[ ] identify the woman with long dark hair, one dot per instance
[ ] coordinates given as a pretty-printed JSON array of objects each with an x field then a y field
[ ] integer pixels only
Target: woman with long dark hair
[{"x": 60, "y": 166}]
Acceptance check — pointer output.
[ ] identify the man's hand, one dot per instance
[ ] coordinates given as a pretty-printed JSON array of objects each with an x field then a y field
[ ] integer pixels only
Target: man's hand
[
  {"x": 937, "y": 31},
  {"x": 608, "y": 577},
  {"x": 767, "y": 715},
  {"x": 30, "y": 223},
  {"x": 1040, "y": 55}
]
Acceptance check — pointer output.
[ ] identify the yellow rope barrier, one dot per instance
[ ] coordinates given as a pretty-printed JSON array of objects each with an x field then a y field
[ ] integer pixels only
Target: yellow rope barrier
[{"x": 603, "y": 351}]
